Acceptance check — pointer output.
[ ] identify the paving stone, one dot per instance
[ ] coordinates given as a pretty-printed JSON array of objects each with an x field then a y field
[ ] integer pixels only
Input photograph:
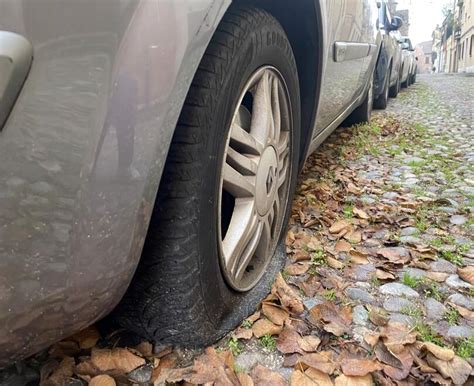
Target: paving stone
[
  {"x": 363, "y": 272},
  {"x": 396, "y": 304},
  {"x": 458, "y": 220},
  {"x": 456, "y": 282},
  {"x": 442, "y": 265},
  {"x": 410, "y": 240},
  {"x": 311, "y": 302},
  {"x": 459, "y": 332},
  {"x": 413, "y": 272},
  {"x": 434, "y": 309},
  {"x": 398, "y": 289},
  {"x": 402, "y": 318},
  {"x": 461, "y": 300},
  {"x": 360, "y": 315},
  {"x": 409, "y": 231},
  {"x": 360, "y": 295},
  {"x": 390, "y": 195}
]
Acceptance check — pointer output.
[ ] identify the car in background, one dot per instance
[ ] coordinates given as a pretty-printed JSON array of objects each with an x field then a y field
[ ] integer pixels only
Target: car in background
[
  {"x": 149, "y": 151},
  {"x": 388, "y": 71},
  {"x": 409, "y": 66}
]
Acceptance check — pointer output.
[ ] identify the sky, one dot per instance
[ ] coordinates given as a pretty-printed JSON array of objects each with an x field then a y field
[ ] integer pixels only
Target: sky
[{"x": 424, "y": 16}]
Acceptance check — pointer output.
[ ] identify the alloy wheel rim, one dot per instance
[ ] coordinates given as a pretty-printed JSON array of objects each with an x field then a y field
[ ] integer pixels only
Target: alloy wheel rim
[{"x": 254, "y": 184}]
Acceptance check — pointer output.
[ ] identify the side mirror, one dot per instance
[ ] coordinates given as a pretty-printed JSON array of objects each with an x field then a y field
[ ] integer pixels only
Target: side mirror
[
  {"x": 397, "y": 22},
  {"x": 405, "y": 46}
]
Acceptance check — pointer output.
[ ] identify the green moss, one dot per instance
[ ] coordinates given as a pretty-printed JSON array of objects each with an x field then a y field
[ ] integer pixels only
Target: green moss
[{"x": 268, "y": 342}]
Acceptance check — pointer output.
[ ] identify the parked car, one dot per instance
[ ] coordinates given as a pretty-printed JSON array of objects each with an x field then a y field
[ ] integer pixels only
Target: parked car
[
  {"x": 149, "y": 153},
  {"x": 389, "y": 65},
  {"x": 409, "y": 62}
]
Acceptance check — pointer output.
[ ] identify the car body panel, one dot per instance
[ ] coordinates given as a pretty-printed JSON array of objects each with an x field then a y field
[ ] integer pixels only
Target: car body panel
[
  {"x": 390, "y": 53},
  {"x": 82, "y": 152},
  {"x": 77, "y": 184},
  {"x": 409, "y": 60}
]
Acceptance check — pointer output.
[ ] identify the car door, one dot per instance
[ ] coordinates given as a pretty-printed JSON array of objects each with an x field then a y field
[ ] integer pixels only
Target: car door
[{"x": 349, "y": 35}]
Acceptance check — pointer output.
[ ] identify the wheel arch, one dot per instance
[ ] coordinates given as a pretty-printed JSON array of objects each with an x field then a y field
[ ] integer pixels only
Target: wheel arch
[{"x": 306, "y": 38}]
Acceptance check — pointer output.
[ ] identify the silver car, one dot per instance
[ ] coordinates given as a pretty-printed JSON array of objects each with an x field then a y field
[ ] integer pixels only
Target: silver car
[{"x": 149, "y": 151}]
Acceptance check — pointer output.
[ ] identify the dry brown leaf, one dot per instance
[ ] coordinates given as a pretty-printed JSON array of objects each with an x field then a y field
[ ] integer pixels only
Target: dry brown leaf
[
  {"x": 86, "y": 338},
  {"x": 339, "y": 226},
  {"x": 311, "y": 377},
  {"x": 464, "y": 312},
  {"x": 323, "y": 361},
  {"x": 275, "y": 313},
  {"x": 145, "y": 348},
  {"x": 344, "y": 380},
  {"x": 384, "y": 275},
  {"x": 120, "y": 359},
  {"x": 378, "y": 316},
  {"x": 457, "y": 369},
  {"x": 372, "y": 338},
  {"x": 439, "y": 277},
  {"x": 467, "y": 274},
  {"x": 337, "y": 319},
  {"x": 398, "y": 255},
  {"x": 264, "y": 327},
  {"x": 354, "y": 237},
  {"x": 60, "y": 375},
  {"x": 288, "y": 341},
  {"x": 358, "y": 257},
  {"x": 301, "y": 255},
  {"x": 102, "y": 380},
  {"x": 243, "y": 333},
  {"x": 399, "y": 373},
  {"x": 334, "y": 263},
  {"x": 396, "y": 336},
  {"x": 297, "y": 269},
  {"x": 264, "y": 377},
  {"x": 309, "y": 343},
  {"x": 245, "y": 379},
  {"x": 342, "y": 246},
  {"x": 359, "y": 367},
  {"x": 360, "y": 213},
  {"x": 288, "y": 297},
  {"x": 442, "y": 353}
]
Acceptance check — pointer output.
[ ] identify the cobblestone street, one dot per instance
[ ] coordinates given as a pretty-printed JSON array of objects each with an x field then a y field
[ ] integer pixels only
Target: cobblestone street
[{"x": 379, "y": 281}]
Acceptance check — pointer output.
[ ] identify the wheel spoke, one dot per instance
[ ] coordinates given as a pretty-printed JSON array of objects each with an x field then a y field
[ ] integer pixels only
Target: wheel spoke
[
  {"x": 237, "y": 184},
  {"x": 249, "y": 252},
  {"x": 262, "y": 121},
  {"x": 265, "y": 238},
  {"x": 276, "y": 109},
  {"x": 243, "y": 226},
  {"x": 283, "y": 145},
  {"x": 244, "y": 165},
  {"x": 241, "y": 139}
]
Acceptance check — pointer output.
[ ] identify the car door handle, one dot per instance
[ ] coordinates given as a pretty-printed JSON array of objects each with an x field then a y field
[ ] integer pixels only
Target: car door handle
[{"x": 16, "y": 54}]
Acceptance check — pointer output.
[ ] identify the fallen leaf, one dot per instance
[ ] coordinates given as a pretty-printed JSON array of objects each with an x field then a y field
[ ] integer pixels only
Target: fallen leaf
[
  {"x": 397, "y": 255},
  {"x": 344, "y": 380},
  {"x": 339, "y": 226},
  {"x": 442, "y": 353},
  {"x": 467, "y": 274},
  {"x": 457, "y": 369},
  {"x": 439, "y": 277},
  {"x": 396, "y": 336},
  {"x": 464, "y": 312},
  {"x": 337, "y": 319},
  {"x": 274, "y": 313},
  {"x": 378, "y": 316},
  {"x": 145, "y": 348},
  {"x": 264, "y": 327},
  {"x": 358, "y": 257},
  {"x": 311, "y": 377},
  {"x": 86, "y": 338},
  {"x": 372, "y": 338},
  {"x": 354, "y": 237},
  {"x": 360, "y": 213},
  {"x": 342, "y": 246},
  {"x": 118, "y": 358},
  {"x": 384, "y": 275},
  {"x": 334, "y": 263},
  {"x": 264, "y": 377},
  {"x": 309, "y": 343},
  {"x": 359, "y": 367},
  {"x": 60, "y": 375},
  {"x": 297, "y": 269},
  {"x": 322, "y": 361},
  {"x": 245, "y": 379},
  {"x": 288, "y": 341},
  {"x": 243, "y": 333},
  {"x": 401, "y": 371},
  {"x": 102, "y": 380},
  {"x": 288, "y": 297}
]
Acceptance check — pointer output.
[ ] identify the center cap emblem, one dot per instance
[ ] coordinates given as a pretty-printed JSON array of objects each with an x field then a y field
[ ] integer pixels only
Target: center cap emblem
[{"x": 270, "y": 178}]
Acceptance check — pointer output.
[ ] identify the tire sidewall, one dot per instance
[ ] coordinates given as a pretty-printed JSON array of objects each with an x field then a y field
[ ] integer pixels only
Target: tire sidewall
[{"x": 268, "y": 46}]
